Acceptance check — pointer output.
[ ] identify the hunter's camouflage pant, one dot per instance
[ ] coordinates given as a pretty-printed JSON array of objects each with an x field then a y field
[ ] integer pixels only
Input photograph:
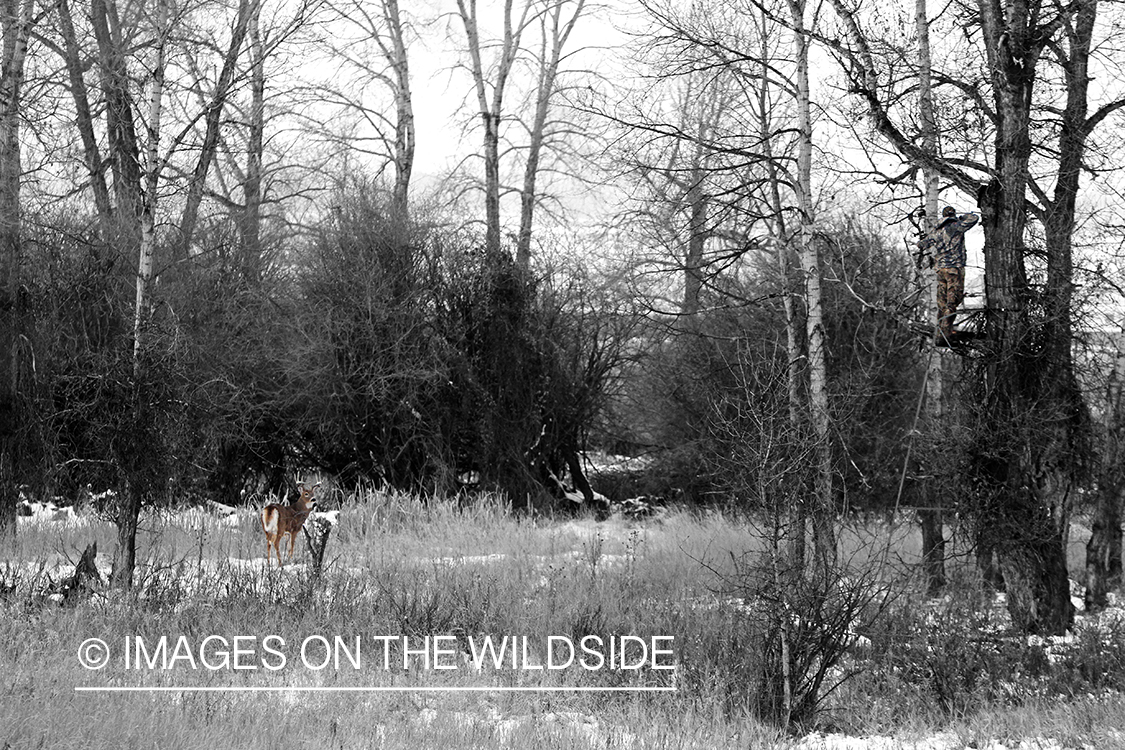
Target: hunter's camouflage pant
[{"x": 950, "y": 294}]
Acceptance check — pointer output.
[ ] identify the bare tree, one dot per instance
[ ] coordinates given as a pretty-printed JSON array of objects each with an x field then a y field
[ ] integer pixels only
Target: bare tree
[
  {"x": 212, "y": 117},
  {"x": 555, "y": 29},
  {"x": 672, "y": 157},
  {"x": 517, "y": 63},
  {"x": 128, "y": 511},
  {"x": 72, "y": 54},
  {"x": 124, "y": 152},
  {"x": 244, "y": 175},
  {"x": 690, "y": 152},
  {"x": 357, "y": 27},
  {"x": 490, "y": 85}
]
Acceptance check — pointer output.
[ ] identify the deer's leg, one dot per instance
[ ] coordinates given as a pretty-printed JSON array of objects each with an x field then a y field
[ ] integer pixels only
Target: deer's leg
[{"x": 264, "y": 518}]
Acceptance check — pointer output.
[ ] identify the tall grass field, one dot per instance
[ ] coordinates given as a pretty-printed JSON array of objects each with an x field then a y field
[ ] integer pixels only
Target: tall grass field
[{"x": 431, "y": 624}]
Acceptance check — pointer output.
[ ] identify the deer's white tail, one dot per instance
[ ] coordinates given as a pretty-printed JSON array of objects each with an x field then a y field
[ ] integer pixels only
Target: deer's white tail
[{"x": 269, "y": 519}]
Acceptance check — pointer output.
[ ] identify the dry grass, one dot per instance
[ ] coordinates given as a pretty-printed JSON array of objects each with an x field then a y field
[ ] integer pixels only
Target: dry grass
[{"x": 401, "y": 566}]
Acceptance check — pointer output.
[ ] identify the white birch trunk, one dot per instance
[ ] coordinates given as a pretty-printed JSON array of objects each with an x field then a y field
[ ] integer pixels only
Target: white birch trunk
[
  {"x": 151, "y": 182},
  {"x": 824, "y": 515},
  {"x": 16, "y": 22},
  {"x": 129, "y": 508},
  {"x": 933, "y": 542},
  {"x": 396, "y": 56}
]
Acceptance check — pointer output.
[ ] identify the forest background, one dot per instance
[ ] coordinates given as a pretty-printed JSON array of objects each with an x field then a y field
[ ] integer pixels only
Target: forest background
[{"x": 424, "y": 245}]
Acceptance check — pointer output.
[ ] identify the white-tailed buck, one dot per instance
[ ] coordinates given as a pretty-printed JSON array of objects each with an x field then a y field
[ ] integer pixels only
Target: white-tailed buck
[{"x": 279, "y": 520}]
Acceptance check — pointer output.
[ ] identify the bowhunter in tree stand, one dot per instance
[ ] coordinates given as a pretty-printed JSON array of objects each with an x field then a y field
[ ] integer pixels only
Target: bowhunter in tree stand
[{"x": 948, "y": 242}]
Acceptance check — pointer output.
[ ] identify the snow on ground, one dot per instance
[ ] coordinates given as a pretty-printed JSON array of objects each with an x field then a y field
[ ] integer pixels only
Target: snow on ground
[
  {"x": 48, "y": 513},
  {"x": 607, "y": 462},
  {"x": 944, "y": 741},
  {"x": 587, "y": 728},
  {"x": 818, "y": 741}
]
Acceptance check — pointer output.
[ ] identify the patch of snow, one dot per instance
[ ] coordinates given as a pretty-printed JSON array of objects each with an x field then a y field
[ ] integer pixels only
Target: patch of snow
[
  {"x": 944, "y": 741},
  {"x": 38, "y": 514},
  {"x": 607, "y": 462},
  {"x": 818, "y": 741},
  {"x": 588, "y": 727},
  {"x": 221, "y": 509},
  {"x": 574, "y": 496},
  {"x": 469, "y": 559},
  {"x": 331, "y": 517},
  {"x": 105, "y": 496}
]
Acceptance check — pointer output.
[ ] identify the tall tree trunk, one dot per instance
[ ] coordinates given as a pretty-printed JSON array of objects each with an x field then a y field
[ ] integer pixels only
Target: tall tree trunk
[
  {"x": 491, "y": 109},
  {"x": 120, "y": 126},
  {"x": 930, "y": 512},
  {"x": 824, "y": 512},
  {"x": 127, "y": 520},
  {"x": 1059, "y": 224},
  {"x": 578, "y": 476},
  {"x": 404, "y": 110},
  {"x": 15, "y": 24},
  {"x": 129, "y": 508},
  {"x": 1028, "y": 543},
  {"x": 1103, "y": 550},
  {"x": 85, "y": 121},
  {"x": 247, "y": 9},
  {"x": 251, "y": 224},
  {"x": 491, "y": 181},
  {"x": 1066, "y": 426},
  {"x": 697, "y": 233},
  {"x": 555, "y": 35},
  {"x": 152, "y": 181},
  {"x": 125, "y": 160}
]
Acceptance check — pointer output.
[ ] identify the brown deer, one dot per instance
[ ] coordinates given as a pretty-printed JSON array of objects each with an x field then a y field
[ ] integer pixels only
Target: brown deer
[{"x": 279, "y": 520}]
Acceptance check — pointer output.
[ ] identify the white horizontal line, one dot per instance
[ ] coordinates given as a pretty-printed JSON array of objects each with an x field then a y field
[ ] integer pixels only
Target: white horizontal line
[{"x": 374, "y": 689}]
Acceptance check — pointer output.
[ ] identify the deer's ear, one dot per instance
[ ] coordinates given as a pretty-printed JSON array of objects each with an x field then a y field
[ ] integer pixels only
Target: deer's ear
[{"x": 316, "y": 485}]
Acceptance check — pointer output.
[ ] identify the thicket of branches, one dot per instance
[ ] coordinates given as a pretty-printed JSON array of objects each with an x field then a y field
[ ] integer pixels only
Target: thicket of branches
[
  {"x": 388, "y": 353},
  {"x": 712, "y": 396}
]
